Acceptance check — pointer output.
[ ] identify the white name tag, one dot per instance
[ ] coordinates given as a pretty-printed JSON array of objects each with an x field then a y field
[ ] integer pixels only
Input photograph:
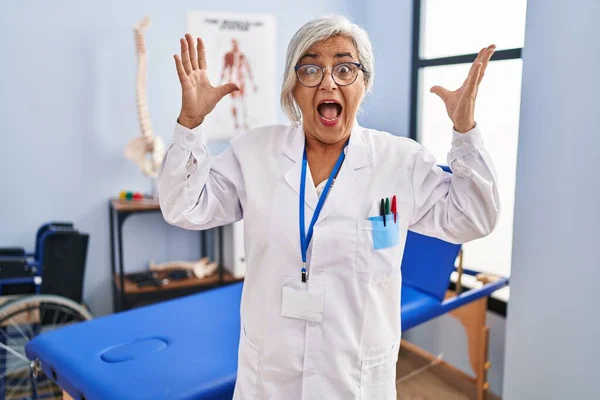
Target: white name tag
[{"x": 301, "y": 301}]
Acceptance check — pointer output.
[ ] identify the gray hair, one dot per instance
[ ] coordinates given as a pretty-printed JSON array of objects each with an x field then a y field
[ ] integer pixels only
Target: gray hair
[{"x": 311, "y": 33}]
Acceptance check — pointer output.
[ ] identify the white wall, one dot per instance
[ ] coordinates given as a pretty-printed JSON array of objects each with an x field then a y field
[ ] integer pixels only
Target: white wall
[
  {"x": 553, "y": 323},
  {"x": 389, "y": 24},
  {"x": 67, "y": 111}
]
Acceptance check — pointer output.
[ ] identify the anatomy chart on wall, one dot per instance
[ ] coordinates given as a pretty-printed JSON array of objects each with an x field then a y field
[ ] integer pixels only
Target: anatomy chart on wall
[{"x": 240, "y": 48}]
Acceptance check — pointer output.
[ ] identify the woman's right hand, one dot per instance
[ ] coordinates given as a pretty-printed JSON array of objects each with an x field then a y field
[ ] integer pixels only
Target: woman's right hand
[{"x": 199, "y": 97}]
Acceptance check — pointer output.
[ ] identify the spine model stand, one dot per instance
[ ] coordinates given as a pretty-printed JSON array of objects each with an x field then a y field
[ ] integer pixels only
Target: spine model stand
[{"x": 147, "y": 150}]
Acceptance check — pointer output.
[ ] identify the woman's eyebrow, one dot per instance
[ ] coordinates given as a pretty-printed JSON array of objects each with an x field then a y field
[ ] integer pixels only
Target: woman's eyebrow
[
  {"x": 310, "y": 55},
  {"x": 315, "y": 56}
]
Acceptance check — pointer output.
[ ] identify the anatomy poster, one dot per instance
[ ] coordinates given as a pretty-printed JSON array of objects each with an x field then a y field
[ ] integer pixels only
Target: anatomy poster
[{"x": 240, "y": 48}]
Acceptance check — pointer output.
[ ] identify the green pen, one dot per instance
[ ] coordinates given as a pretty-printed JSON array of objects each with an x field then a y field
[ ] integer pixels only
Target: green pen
[{"x": 387, "y": 205}]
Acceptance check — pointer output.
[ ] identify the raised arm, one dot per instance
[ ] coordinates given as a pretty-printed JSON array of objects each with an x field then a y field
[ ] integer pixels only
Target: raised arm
[
  {"x": 464, "y": 205},
  {"x": 460, "y": 206},
  {"x": 197, "y": 191}
]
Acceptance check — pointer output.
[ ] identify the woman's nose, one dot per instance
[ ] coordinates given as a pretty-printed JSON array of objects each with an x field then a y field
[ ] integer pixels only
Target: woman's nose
[{"x": 328, "y": 83}]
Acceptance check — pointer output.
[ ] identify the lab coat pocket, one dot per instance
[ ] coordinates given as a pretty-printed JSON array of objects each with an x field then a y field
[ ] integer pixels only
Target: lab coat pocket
[
  {"x": 379, "y": 251},
  {"x": 247, "y": 374},
  {"x": 384, "y": 235},
  {"x": 378, "y": 376}
]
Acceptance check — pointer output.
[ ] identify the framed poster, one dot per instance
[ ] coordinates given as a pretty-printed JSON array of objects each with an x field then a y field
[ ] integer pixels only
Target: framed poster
[{"x": 240, "y": 48}]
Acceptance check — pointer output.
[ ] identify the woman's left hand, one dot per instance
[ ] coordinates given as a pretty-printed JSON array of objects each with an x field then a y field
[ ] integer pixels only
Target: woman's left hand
[{"x": 460, "y": 104}]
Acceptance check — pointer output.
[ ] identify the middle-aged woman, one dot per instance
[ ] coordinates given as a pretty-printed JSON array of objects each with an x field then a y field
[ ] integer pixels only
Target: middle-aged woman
[{"x": 320, "y": 311}]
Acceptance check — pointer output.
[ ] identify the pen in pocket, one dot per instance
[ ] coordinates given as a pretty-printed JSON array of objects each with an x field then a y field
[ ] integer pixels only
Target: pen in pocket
[{"x": 382, "y": 210}]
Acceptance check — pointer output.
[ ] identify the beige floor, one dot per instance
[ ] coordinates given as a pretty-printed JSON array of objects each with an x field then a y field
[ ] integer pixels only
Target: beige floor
[{"x": 434, "y": 383}]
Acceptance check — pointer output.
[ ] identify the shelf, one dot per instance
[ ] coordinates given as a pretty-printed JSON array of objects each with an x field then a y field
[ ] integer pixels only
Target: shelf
[
  {"x": 131, "y": 295},
  {"x": 135, "y": 205},
  {"x": 212, "y": 280}
]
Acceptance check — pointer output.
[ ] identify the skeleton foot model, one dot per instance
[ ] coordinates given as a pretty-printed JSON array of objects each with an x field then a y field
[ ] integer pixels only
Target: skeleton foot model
[{"x": 201, "y": 268}]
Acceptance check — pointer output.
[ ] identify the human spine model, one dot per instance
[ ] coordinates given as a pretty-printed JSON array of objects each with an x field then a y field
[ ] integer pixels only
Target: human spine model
[{"x": 147, "y": 150}]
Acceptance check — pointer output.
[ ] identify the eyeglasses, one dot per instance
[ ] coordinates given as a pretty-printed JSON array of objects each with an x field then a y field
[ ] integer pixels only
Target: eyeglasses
[{"x": 343, "y": 74}]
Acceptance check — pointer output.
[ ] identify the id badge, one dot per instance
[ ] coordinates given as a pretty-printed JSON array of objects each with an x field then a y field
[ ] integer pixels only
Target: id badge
[{"x": 301, "y": 301}]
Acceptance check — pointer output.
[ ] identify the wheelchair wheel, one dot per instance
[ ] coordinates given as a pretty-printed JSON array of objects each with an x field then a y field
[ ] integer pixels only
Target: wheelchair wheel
[{"x": 21, "y": 320}]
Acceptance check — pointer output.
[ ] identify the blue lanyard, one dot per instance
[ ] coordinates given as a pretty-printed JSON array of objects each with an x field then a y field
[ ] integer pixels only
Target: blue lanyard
[{"x": 305, "y": 239}]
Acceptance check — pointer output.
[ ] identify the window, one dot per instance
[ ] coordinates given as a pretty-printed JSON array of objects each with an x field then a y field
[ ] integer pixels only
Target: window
[{"x": 448, "y": 34}]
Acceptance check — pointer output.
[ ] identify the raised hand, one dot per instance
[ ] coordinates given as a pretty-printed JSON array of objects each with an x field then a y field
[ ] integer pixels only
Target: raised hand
[
  {"x": 199, "y": 97},
  {"x": 460, "y": 103}
]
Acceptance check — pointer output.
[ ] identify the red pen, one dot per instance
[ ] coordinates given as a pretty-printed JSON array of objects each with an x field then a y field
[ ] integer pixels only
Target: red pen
[{"x": 394, "y": 209}]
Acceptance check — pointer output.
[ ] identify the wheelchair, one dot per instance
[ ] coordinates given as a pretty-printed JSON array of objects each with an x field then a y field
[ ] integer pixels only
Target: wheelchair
[{"x": 39, "y": 292}]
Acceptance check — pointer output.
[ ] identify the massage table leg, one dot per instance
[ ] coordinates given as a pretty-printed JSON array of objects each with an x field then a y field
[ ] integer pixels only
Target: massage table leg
[{"x": 473, "y": 318}]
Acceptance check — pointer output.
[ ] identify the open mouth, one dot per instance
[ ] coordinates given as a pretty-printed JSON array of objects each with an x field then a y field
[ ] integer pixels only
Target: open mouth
[{"x": 329, "y": 112}]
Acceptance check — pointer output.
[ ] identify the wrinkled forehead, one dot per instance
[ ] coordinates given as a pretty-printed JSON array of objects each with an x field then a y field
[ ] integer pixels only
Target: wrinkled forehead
[{"x": 337, "y": 47}]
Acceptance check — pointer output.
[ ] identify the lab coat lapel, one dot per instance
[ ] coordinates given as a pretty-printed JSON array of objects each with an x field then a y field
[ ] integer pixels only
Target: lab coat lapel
[
  {"x": 352, "y": 177},
  {"x": 293, "y": 149}
]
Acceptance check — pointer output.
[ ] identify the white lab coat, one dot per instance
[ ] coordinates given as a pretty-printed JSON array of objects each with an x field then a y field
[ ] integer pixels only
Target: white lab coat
[{"x": 352, "y": 353}]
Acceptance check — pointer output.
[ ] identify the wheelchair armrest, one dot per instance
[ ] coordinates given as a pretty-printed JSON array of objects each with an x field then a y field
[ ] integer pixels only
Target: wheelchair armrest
[
  {"x": 12, "y": 251},
  {"x": 14, "y": 264}
]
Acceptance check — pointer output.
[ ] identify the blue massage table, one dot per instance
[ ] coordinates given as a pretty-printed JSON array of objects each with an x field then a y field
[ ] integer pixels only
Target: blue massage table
[{"x": 145, "y": 353}]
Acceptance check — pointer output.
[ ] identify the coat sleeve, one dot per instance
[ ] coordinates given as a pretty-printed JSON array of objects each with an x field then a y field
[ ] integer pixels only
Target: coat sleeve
[
  {"x": 460, "y": 206},
  {"x": 196, "y": 190}
]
